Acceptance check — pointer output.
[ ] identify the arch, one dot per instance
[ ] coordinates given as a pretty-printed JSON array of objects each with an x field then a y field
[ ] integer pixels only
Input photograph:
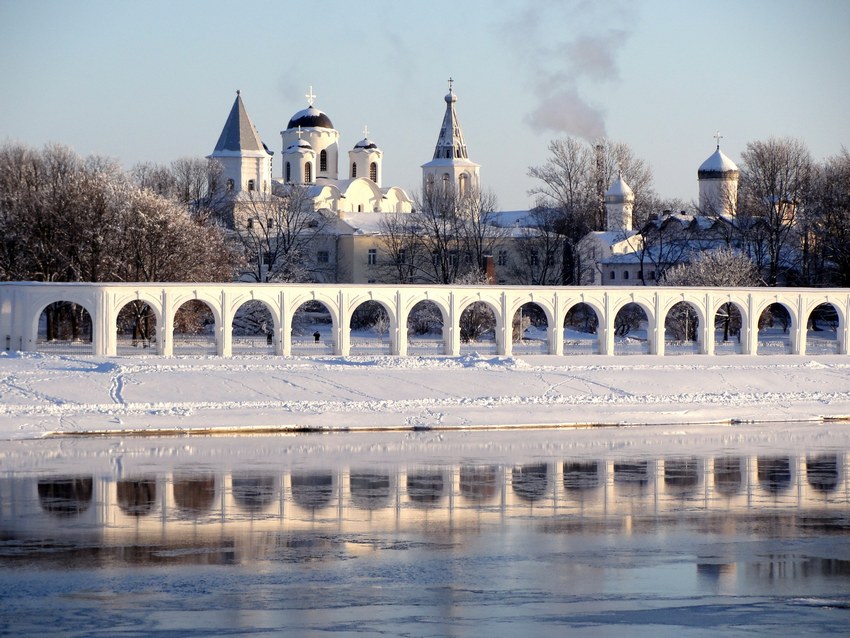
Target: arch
[
  {"x": 308, "y": 172},
  {"x": 581, "y": 328},
  {"x": 479, "y": 483},
  {"x": 195, "y": 324},
  {"x": 370, "y": 328},
  {"x": 253, "y": 328},
  {"x": 370, "y": 490},
  {"x": 631, "y": 329},
  {"x": 309, "y": 318},
  {"x": 463, "y": 183},
  {"x": 64, "y": 327},
  {"x": 373, "y": 172},
  {"x": 728, "y": 475},
  {"x": 530, "y": 329},
  {"x": 730, "y": 327},
  {"x": 312, "y": 490},
  {"x": 194, "y": 494},
  {"x": 136, "y": 327},
  {"x": 353, "y": 170},
  {"x": 530, "y": 482},
  {"x": 774, "y": 473},
  {"x": 823, "y": 472},
  {"x": 253, "y": 492},
  {"x": 425, "y": 487},
  {"x": 775, "y": 327},
  {"x": 479, "y": 326},
  {"x": 682, "y": 323},
  {"x": 288, "y": 172},
  {"x": 823, "y": 326},
  {"x": 65, "y": 496},
  {"x": 426, "y": 328},
  {"x": 581, "y": 476},
  {"x": 137, "y": 497},
  {"x": 323, "y": 161}
]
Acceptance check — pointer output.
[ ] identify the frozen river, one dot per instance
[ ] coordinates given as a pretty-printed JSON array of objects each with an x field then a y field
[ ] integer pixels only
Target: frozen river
[{"x": 423, "y": 534}]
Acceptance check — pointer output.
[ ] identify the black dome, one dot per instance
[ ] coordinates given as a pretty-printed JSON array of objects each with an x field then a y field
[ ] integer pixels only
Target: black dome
[{"x": 310, "y": 117}]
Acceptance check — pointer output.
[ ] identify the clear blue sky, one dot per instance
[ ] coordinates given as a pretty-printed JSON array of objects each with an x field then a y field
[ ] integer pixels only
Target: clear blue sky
[{"x": 154, "y": 80}]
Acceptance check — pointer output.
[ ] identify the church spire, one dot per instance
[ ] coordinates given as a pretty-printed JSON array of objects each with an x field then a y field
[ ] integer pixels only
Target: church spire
[
  {"x": 238, "y": 133},
  {"x": 450, "y": 144}
]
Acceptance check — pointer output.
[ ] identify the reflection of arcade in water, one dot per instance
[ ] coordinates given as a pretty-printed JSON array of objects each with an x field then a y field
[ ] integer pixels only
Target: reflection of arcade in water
[{"x": 178, "y": 507}]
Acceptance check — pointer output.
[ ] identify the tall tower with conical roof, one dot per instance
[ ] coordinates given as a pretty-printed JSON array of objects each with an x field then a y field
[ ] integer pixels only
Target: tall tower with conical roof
[
  {"x": 246, "y": 160},
  {"x": 450, "y": 165},
  {"x": 718, "y": 184}
]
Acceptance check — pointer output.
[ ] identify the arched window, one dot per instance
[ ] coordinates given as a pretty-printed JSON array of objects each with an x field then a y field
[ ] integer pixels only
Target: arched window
[
  {"x": 463, "y": 183},
  {"x": 373, "y": 171},
  {"x": 250, "y": 184},
  {"x": 308, "y": 173},
  {"x": 229, "y": 185},
  {"x": 288, "y": 177},
  {"x": 353, "y": 170},
  {"x": 323, "y": 161}
]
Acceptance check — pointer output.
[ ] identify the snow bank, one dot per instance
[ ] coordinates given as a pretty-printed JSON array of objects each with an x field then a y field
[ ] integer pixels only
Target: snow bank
[{"x": 42, "y": 394}]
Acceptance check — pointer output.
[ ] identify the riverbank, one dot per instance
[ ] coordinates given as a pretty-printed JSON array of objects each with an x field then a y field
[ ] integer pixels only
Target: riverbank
[{"x": 54, "y": 394}]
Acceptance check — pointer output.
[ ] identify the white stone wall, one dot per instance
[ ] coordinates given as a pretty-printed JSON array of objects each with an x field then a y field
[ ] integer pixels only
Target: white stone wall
[{"x": 21, "y": 305}]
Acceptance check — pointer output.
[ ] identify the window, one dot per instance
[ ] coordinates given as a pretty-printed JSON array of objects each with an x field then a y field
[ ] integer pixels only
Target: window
[
  {"x": 651, "y": 275},
  {"x": 250, "y": 184},
  {"x": 503, "y": 258},
  {"x": 402, "y": 256},
  {"x": 323, "y": 161},
  {"x": 322, "y": 257},
  {"x": 373, "y": 171},
  {"x": 308, "y": 173},
  {"x": 288, "y": 172},
  {"x": 613, "y": 276},
  {"x": 353, "y": 170},
  {"x": 626, "y": 274},
  {"x": 535, "y": 260},
  {"x": 373, "y": 256},
  {"x": 229, "y": 185},
  {"x": 463, "y": 183},
  {"x": 640, "y": 274},
  {"x": 250, "y": 222},
  {"x": 268, "y": 258}
]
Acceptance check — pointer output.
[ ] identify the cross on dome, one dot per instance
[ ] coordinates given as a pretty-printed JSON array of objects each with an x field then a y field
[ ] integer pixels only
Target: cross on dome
[
  {"x": 310, "y": 96},
  {"x": 718, "y": 137},
  {"x": 451, "y": 82}
]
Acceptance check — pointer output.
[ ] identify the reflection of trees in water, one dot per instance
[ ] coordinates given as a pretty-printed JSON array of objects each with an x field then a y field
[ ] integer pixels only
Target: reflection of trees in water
[
  {"x": 194, "y": 494},
  {"x": 822, "y": 472},
  {"x": 682, "y": 474},
  {"x": 479, "y": 483},
  {"x": 369, "y": 491},
  {"x": 65, "y": 496},
  {"x": 581, "y": 475},
  {"x": 253, "y": 493},
  {"x": 774, "y": 473},
  {"x": 728, "y": 475},
  {"x": 425, "y": 487},
  {"x": 530, "y": 482},
  {"x": 312, "y": 490},
  {"x": 137, "y": 497}
]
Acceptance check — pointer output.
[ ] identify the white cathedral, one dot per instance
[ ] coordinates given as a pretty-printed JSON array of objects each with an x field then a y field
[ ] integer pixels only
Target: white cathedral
[{"x": 310, "y": 157}]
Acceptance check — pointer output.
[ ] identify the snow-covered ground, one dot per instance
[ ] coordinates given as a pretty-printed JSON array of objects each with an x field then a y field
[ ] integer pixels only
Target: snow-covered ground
[{"x": 42, "y": 393}]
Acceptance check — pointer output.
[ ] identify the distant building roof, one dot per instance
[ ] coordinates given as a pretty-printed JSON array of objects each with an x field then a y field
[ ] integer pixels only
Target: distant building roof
[{"x": 239, "y": 134}]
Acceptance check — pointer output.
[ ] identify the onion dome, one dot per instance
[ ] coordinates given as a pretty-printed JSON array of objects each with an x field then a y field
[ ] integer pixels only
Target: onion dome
[
  {"x": 366, "y": 144},
  {"x": 717, "y": 165},
  {"x": 620, "y": 192},
  {"x": 311, "y": 117}
]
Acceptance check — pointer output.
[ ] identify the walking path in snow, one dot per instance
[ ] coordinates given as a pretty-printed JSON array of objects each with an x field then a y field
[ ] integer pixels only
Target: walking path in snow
[{"x": 41, "y": 394}]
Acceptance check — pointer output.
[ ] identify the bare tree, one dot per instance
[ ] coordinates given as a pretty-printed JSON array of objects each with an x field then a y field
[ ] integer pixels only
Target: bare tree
[
  {"x": 276, "y": 231},
  {"x": 775, "y": 186}
]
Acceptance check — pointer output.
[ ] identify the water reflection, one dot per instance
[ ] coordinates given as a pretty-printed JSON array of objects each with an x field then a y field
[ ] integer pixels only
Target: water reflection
[
  {"x": 137, "y": 497},
  {"x": 253, "y": 493},
  {"x": 65, "y": 496},
  {"x": 425, "y": 487},
  {"x": 194, "y": 494},
  {"x": 822, "y": 472},
  {"x": 479, "y": 483},
  {"x": 369, "y": 490},
  {"x": 728, "y": 475},
  {"x": 581, "y": 476},
  {"x": 774, "y": 473},
  {"x": 312, "y": 490}
]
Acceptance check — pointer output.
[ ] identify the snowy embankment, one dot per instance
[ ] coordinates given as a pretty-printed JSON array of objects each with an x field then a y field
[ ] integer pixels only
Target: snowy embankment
[{"x": 41, "y": 394}]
